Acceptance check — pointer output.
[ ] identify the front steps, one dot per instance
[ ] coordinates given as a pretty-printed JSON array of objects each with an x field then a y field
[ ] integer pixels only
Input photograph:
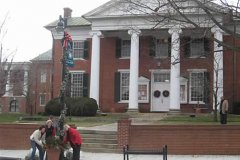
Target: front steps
[{"x": 99, "y": 141}]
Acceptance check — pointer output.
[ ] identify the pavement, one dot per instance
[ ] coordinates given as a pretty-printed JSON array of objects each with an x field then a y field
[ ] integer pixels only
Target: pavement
[{"x": 114, "y": 156}]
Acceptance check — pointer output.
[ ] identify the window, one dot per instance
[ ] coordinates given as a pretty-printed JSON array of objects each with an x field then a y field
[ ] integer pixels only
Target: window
[
  {"x": 78, "y": 49},
  {"x": 1, "y": 106},
  {"x": 124, "y": 89},
  {"x": 42, "y": 100},
  {"x": 183, "y": 89},
  {"x": 143, "y": 88},
  {"x": 43, "y": 76},
  {"x": 197, "y": 47},
  {"x": 162, "y": 77},
  {"x": 126, "y": 47},
  {"x": 14, "y": 106},
  {"x": 197, "y": 86},
  {"x": 162, "y": 48},
  {"x": 77, "y": 84}
]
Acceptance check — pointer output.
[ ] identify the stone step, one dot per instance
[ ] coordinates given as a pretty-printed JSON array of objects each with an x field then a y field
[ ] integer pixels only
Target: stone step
[
  {"x": 97, "y": 140},
  {"x": 101, "y": 150},
  {"x": 99, "y": 136},
  {"x": 83, "y": 131},
  {"x": 99, "y": 145}
]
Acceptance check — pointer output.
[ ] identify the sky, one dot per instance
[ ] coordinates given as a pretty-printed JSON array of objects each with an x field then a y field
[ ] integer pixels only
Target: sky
[{"x": 24, "y": 34}]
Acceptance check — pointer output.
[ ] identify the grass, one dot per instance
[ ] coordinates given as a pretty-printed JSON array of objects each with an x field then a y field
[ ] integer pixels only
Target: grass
[
  {"x": 198, "y": 119},
  {"x": 205, "y": 119},
  {"x": 10, "y": 118}
]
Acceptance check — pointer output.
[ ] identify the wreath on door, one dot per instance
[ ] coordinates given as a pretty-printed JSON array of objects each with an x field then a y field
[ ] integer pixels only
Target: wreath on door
[
  {"x": 165, "y": 93},
  {"x": 157, "y": 93}
]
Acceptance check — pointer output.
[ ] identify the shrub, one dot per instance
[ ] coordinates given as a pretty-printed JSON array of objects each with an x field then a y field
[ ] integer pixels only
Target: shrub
[
  {"x": 236, "y": 108},
  {"x": 53, "y": 107},
  {"x": 90, "y": 107},
  {"x": 80, "y": 106}
]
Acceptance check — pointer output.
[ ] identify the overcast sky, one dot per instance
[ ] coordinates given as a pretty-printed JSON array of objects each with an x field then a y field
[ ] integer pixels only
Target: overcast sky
[{"x": 26, "y": 18}]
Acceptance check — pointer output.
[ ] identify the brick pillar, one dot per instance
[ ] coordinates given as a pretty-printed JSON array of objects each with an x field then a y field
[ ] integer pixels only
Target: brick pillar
[{"x": 123, "y": 132}]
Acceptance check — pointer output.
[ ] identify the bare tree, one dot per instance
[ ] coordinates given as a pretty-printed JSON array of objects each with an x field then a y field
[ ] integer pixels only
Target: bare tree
[{"x": 198, "y": 14}]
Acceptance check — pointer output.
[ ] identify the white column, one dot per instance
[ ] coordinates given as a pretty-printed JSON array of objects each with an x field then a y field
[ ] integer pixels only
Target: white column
[
  {"x": 134, "y": 63},
  {"x": 175, "y": 69},
  {"x": 218, "y": 64},
  {"x": 95, "y": 65},
  {"x": 7, "y": 89},
  {"x": 25, "y": 82}
]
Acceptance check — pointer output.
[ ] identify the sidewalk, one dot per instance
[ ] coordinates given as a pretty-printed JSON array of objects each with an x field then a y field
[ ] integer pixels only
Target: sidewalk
[{"x": 111, "y": 156}]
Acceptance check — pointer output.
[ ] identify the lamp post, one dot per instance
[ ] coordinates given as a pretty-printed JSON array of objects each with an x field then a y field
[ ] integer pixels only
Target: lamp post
[{"x": 67, "y": 61}]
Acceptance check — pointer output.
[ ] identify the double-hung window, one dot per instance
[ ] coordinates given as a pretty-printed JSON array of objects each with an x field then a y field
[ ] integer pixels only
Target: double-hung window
[
  {"x": 76, "y": 84},
  {"x": 78, "y": 49},
  {"x": 143, "y": 88},
  {"x": 126, "y": 46},
  {"x": 124, "y": 83},
  {"x": 43, "y": 76},
  {"x": 197, "y": 47},
  {"x": 42, "y": 99},
  {"x": 199, "y": 88},
  {"x": 162, "y": 48}
]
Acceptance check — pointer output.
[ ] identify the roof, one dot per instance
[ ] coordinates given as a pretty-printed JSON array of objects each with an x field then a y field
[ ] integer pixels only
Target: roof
[
  {"x": 71, "y": 22},
  {"x": 46, "y": 56}
]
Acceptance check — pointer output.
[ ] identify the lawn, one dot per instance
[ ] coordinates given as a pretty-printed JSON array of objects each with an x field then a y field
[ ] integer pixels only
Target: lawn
[
  {"x": 206, "y": 119},
  {"x": 198, "y": 119}
]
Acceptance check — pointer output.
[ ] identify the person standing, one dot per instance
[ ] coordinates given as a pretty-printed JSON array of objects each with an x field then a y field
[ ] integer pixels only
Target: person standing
[
  {"x": 37, "y": 139},
  {"x": 223, "y": 110},
  {"x": 74, "y": 138},
  {"x": 50, "y": 129}
]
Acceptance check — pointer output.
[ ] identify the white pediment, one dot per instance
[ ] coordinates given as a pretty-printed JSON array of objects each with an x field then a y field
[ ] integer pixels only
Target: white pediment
[
  {"x": 121, "y": 8},
  {"x": 143, "y": 79}
]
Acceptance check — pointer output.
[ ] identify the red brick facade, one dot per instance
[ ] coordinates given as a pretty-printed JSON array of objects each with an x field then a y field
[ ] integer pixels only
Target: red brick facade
[
  {"x": 109, "y": 64},
  {"x": 181, "y": 139}
]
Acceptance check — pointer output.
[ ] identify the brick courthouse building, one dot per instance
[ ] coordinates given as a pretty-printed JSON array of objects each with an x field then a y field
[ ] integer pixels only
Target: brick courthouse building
[
  {"x": 127, "y": 58},
  {"x": 122, "y": 62}
]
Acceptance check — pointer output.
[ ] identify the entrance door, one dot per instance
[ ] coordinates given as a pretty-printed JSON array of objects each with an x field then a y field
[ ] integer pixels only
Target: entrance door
[{"x": 160, "y": 92}]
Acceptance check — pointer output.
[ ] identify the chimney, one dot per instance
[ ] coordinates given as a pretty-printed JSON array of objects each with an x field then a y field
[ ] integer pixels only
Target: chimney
[{"x": 67, "y": 12}]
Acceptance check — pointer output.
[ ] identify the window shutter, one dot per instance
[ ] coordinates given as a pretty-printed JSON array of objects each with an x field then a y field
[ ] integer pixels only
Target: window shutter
[
  {"x": 206, "y": 46},
  {"x": 152, "y": 47},
  {"x": 118, "y": 47},
  {"x": 206, "y": 87},
  {"x": 187, "y": 44},
  {"x": 169, "y": 46},
  {"x": 117, "y": 86},
  {"x": 85, "y": 52},
  {"x": 85, "y": 85}
]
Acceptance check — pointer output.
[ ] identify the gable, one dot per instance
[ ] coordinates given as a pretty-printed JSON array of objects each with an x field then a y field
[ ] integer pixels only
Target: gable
[{"x": 120, "y": 8}]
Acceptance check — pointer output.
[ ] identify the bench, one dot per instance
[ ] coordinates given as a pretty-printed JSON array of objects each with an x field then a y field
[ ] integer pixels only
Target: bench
[{"x": 127, "y": 151}]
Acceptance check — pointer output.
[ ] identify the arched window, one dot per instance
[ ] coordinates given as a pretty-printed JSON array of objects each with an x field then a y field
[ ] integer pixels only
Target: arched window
[{"x": 14, "y": 106}]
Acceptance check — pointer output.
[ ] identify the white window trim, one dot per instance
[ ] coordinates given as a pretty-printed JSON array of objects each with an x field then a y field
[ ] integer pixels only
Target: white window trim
[
  {"x": 146, "y": 100},
  {"x": 125, "y": 57},
  {"x": 78, "y": 48},
  {"x": 43, "y": 76},
  {"x": 185, "y": 84},
  {"x": 76, "y": 71},
  {"x": 139, "y": 83},
  {"x": 40, "y": 99},
  {"x": 194, "y": 71}
]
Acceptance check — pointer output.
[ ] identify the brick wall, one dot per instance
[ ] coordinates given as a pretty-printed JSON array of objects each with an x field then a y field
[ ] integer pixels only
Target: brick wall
[
  {"x": 16, "y": 136},
  {"x": 182, "y": 139}
]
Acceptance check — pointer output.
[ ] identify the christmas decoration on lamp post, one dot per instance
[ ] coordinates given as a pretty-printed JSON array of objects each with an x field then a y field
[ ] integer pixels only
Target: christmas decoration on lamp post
[{"x": 67, "y": 61}]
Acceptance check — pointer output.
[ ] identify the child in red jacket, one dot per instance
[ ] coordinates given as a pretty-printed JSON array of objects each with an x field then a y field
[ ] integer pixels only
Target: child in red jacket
[{"x": 74, "y": 138}]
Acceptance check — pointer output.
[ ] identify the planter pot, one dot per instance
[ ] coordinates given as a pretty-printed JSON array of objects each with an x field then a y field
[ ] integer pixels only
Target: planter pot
[{"x": 53, "y": 153}]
